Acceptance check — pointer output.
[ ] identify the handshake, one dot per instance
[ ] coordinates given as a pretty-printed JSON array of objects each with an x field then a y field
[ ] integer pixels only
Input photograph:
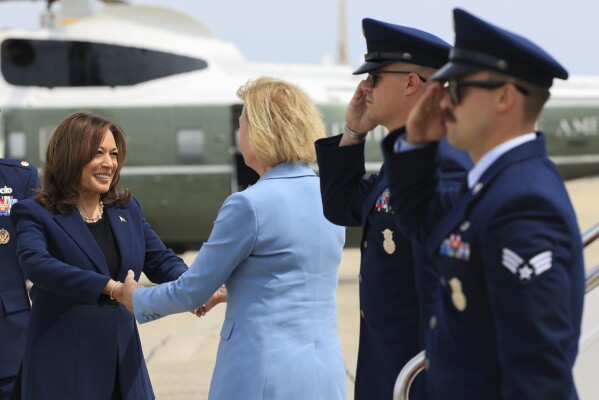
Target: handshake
[{"x": 123, "y": 293}]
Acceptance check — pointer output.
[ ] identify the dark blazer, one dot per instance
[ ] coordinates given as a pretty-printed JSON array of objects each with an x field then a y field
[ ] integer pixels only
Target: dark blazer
[
  {"x": 390, "y": 284},
  {"x": 78, "y": 339},
  {"x": 18, "y": 181},
  {"x": 509, "y": 257}
]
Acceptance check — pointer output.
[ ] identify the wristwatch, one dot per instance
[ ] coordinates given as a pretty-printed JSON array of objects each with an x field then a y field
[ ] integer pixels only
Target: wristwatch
[{"x": 353, "y": 134}]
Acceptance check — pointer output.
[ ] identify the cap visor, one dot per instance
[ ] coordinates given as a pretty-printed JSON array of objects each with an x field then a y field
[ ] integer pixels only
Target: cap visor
[
  {"x": 369, "y": 66},
  {"x": 452, "y": 69}
]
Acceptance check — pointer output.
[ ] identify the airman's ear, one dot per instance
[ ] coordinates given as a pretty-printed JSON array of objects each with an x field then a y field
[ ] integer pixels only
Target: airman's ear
[
  {"x": 413, "y": 83},
  {"x": 506, "y": 98}
]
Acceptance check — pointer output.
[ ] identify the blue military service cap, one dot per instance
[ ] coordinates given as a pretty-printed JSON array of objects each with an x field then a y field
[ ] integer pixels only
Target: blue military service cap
[
  {"x": 480, "y": 45},
  {"x": 388, "y": 43}
]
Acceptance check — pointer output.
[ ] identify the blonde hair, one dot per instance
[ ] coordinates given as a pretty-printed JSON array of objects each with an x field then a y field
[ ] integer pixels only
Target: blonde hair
[{"x": 283, "y": 121}]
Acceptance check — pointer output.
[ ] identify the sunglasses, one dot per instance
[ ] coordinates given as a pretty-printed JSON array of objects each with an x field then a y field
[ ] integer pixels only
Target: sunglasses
[
  {"x": 454, "y": 86},
  {"x": 374, "y": 76}
]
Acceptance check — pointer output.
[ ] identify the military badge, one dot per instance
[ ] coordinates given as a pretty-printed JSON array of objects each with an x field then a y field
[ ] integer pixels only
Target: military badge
[
  {"x": 526, "y": 270},
  {"x": 382, "y": 203},
  {"x": 388, "y": 243},
  {"x": 6, "y": 203},
  {"x": 457, "y": 295},
  {"x": 464, "y": 226},
  {"x": 454, "y": 247},
  {"x": 4, "y": 236}
]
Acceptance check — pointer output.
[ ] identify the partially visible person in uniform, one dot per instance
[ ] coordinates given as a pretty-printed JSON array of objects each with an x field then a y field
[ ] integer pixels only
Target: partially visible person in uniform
[
  {"x": 75, "y": 242},
  {"x": 279, "y": 258},
  {"x": 399, "y": 63},
  {"x": 507, "y": 247},
  {"x": 18, "y": 181}
]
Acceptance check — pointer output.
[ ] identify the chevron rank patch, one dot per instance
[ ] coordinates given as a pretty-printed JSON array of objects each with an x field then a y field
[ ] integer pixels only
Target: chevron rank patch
[{"x": 527, "y": 270}]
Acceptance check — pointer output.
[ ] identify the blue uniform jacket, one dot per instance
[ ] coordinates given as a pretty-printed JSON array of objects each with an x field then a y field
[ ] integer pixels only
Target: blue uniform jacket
[
  {"x": 390, "y": 285},
  {"x": 18, "y": 180},
  {"x": 509, "y": 256},
  {"x": 279, "y": 258},
  {"x": 78, "y": 339}
]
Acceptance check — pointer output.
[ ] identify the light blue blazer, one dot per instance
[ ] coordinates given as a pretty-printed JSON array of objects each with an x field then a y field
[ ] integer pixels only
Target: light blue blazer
[{"x": 279, "y": 258}]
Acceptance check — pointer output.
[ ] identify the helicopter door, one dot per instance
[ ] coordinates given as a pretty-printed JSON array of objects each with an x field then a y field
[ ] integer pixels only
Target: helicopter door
[
  {"x": 242, "y": 175},
  {"x": 13, "y": 141}
]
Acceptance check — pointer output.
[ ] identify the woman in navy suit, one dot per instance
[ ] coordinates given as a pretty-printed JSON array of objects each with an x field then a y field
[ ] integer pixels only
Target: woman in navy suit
[
  {"x": 278, "y": 256},
  {"x": 76, "y": 241}
]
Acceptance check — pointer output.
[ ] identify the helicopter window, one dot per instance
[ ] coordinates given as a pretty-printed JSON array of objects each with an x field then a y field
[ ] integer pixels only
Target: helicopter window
[
  {"x": 16, "y": 145},
  {"x": 190, "y": 145},
  {"x": 44, "y": 139},
  {"x": 59, "y": 63}
]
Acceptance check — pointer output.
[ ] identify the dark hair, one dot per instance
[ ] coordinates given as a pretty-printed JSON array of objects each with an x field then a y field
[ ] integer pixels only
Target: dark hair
[
  {"x": 534, "y": 101},
  {"x": 72, "y": 145}
]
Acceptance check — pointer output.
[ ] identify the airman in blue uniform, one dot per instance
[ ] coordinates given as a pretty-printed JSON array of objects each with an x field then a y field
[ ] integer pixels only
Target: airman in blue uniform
[
  {"x": 506, "y": 248},
  {"x": 393, "y": 275},
  {"x": 18, "y": 180}
]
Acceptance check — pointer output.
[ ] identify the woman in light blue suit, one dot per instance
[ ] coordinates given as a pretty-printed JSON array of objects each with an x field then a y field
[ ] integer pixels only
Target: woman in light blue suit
[
  {"x": 278, "y": 257},
  {"x": 75, "y": 242}
]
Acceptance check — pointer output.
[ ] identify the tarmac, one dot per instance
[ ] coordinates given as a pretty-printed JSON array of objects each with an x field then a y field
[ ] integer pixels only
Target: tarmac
[{"x": 180, "y": 349}]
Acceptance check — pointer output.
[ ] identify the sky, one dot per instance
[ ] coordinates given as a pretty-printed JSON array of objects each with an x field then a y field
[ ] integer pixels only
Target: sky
[{"x": 306, "y": 31}]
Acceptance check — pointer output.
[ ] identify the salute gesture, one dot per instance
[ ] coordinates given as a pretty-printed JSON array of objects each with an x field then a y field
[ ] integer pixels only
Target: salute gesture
[{"x": 426, "y": 121}]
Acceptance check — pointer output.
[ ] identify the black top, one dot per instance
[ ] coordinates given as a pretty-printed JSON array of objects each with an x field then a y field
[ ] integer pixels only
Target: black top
[{"x": 103, "y": 234}]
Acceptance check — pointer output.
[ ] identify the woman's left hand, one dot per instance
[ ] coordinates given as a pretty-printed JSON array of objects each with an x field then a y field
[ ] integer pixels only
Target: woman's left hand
[{"x": 220, "y": 296}]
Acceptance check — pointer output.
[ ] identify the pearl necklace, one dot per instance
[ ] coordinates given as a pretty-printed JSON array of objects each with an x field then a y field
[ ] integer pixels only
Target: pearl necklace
[{"x": 96, "y": 219}]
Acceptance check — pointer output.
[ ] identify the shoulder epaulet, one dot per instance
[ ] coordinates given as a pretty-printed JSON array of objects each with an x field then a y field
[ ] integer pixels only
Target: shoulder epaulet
[{"x": 15, "y": 163}]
